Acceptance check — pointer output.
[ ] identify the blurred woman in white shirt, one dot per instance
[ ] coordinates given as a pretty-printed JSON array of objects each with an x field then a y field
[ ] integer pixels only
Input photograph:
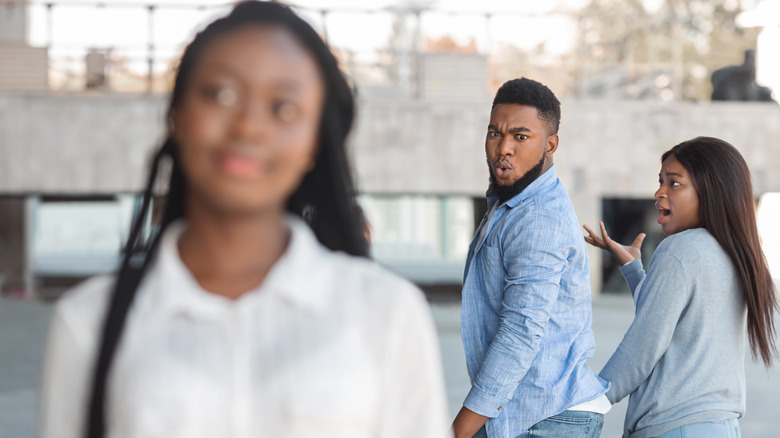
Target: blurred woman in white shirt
[{"x": 252, "y": 309}]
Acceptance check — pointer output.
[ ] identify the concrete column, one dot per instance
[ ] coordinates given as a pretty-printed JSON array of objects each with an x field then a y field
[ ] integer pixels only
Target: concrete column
[
  {"x": 588, "y": 208},
  {"x": 13, "y": 23},
  {"x": 30, "y": 209}
]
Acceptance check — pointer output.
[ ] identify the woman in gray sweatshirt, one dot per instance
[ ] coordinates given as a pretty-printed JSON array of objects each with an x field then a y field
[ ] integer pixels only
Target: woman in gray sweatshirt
[{"x": 682, "y": 359}]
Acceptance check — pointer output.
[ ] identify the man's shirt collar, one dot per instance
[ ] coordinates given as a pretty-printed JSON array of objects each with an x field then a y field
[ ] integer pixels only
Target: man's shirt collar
[{"x": 546, "y": 179}]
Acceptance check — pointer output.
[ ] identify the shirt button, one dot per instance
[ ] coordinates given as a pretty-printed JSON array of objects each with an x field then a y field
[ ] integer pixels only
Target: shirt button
[{"x": 499, "y": 408}]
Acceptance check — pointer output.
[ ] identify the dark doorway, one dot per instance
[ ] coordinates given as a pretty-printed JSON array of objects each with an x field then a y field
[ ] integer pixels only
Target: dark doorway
[{"x": 624, "y": 219}]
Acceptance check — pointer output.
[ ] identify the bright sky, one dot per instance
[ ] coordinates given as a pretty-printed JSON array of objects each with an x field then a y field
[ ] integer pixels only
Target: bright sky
[{"x": 524, "y": 23}]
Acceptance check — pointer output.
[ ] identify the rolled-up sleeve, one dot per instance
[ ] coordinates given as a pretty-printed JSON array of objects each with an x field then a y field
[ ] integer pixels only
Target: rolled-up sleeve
[{"x": 534, "y": 256}]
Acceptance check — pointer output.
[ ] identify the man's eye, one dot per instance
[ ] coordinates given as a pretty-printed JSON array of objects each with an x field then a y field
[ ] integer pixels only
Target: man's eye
[
  {"x": 493, "y": 134},
  {"x": 522, "y": 136}
]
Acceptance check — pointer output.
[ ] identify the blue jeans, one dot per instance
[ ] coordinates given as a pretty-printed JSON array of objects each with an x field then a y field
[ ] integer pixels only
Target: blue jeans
[
  {"x": 567, "y": 424},
  {"x": 724, "y": 429}
]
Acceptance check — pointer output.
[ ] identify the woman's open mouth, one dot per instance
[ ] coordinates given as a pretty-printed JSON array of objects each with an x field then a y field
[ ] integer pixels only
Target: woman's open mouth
[{"x": 663, "y": 214}]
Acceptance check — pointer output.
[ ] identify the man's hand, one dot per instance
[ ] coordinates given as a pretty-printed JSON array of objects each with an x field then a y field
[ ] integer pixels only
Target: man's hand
[
  {"x": 622, "y": 253},
  {"x": 467, "y": 423}
]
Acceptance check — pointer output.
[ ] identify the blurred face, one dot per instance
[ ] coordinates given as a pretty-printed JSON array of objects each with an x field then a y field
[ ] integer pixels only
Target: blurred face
[
  {"x": 676, "y": 199},
  {"x": 247, "y": 125},
  {"x": 517, "y": 141}
]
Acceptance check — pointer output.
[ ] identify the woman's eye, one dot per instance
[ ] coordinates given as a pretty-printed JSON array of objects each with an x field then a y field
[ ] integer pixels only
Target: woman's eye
[
  {"x": 226, "y": 96},
  {"x": 674, "y": 184},
  {"x": 221, "y": 95},
  {"x": 286, "y": 110}
]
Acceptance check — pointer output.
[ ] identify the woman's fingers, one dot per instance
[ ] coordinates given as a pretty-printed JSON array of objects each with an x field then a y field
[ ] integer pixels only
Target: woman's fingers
[
  {"x": 623, "y": 253},
  {"x": 607, "y": 240},
  {"x": 637, "y": 243},
  {"x": 592, "y": 238},
  {"x": 587, "y": 228}
]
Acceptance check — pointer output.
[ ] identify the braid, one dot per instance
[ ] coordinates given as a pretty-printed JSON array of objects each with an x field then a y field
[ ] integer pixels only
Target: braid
[{"x": 128, "y": 279}]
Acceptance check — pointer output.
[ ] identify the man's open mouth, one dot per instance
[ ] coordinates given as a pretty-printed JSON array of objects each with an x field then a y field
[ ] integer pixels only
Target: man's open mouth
[{"x": 502, "y": 169}]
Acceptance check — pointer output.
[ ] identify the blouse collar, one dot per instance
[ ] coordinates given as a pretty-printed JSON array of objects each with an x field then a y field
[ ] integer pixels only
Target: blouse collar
[{"x": 298, "y": 277}]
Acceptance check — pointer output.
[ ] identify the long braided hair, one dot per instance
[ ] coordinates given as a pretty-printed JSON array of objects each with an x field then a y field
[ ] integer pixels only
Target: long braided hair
[{"x": 325, "y": 197}]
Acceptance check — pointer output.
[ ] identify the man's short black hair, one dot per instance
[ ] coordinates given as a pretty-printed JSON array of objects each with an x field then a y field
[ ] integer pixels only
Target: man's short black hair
[{"x": 524, "y": 91}]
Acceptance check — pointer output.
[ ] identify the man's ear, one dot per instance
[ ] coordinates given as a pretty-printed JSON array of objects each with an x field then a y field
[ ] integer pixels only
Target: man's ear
[{"x": 552, "y": 145}]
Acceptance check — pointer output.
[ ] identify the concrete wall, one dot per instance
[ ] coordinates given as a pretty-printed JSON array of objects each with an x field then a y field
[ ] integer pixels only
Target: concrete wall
[
  {"x": 76, "y": 144},
  {"x": 101, "y": 143},
  {"x": 92, "y": 144},
  {"x": 606, "y": 148},
  {"x": 454, "y": 77},
  {"x": 418, "y": 147},
  {"x": 13, "y": 22},
  {"x": 23, "y": 68}
]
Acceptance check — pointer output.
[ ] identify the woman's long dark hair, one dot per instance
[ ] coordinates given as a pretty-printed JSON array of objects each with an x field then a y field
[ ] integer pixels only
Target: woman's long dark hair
[
  {"x": 325, "y": 197},
  {"x": 727, "y": 210}
]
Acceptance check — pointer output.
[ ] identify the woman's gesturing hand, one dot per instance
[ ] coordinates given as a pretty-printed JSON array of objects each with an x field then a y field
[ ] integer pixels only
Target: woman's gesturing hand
[{"x": 622, "y": 253}]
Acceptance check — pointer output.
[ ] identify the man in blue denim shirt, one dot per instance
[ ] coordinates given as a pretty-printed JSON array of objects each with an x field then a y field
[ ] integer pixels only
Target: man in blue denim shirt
[{"x": 526, "y": 315}]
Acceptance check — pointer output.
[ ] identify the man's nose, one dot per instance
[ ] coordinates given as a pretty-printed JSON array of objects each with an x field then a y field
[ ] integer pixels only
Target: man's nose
[{"x": 505, "y": 147}]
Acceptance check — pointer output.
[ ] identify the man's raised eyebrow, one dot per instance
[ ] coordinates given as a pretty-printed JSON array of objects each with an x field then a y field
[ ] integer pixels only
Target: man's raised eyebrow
[{"x": 511, "y": 130}]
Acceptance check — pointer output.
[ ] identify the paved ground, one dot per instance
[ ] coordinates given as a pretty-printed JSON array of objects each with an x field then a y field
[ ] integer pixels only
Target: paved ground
[
  {"x": 23, "y": 327},
  {"x": 611, "y": 317}
]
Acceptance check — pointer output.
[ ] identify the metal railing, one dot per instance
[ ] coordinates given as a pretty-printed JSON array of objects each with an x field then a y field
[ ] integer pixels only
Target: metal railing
[{"x": 147, "y": 63}]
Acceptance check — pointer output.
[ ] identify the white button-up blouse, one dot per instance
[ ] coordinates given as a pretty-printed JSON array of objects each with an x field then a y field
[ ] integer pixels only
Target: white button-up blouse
[{"x": 328, "y": 346}]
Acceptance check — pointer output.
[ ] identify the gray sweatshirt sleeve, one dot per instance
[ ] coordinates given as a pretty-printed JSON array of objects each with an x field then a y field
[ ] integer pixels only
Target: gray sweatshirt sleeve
[
  {"x": 665, "y": 294},
  {"x": 634, "y": 274}
]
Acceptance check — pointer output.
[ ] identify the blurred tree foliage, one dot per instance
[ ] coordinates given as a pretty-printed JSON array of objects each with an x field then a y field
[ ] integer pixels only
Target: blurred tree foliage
[
  {"x": 688, "y": 38},
  {"x": 510, "y": 61}
]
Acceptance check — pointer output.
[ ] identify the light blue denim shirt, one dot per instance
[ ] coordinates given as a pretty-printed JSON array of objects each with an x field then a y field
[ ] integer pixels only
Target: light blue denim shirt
[{"x": 526, "y": 314}]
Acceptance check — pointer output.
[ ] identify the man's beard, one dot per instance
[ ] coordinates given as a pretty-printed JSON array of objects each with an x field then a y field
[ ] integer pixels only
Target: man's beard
[{"x": 506, "y": 193}]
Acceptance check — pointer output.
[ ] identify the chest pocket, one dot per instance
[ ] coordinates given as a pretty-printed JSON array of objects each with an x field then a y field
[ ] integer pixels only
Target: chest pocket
[{"x": 491, "y": 267}]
